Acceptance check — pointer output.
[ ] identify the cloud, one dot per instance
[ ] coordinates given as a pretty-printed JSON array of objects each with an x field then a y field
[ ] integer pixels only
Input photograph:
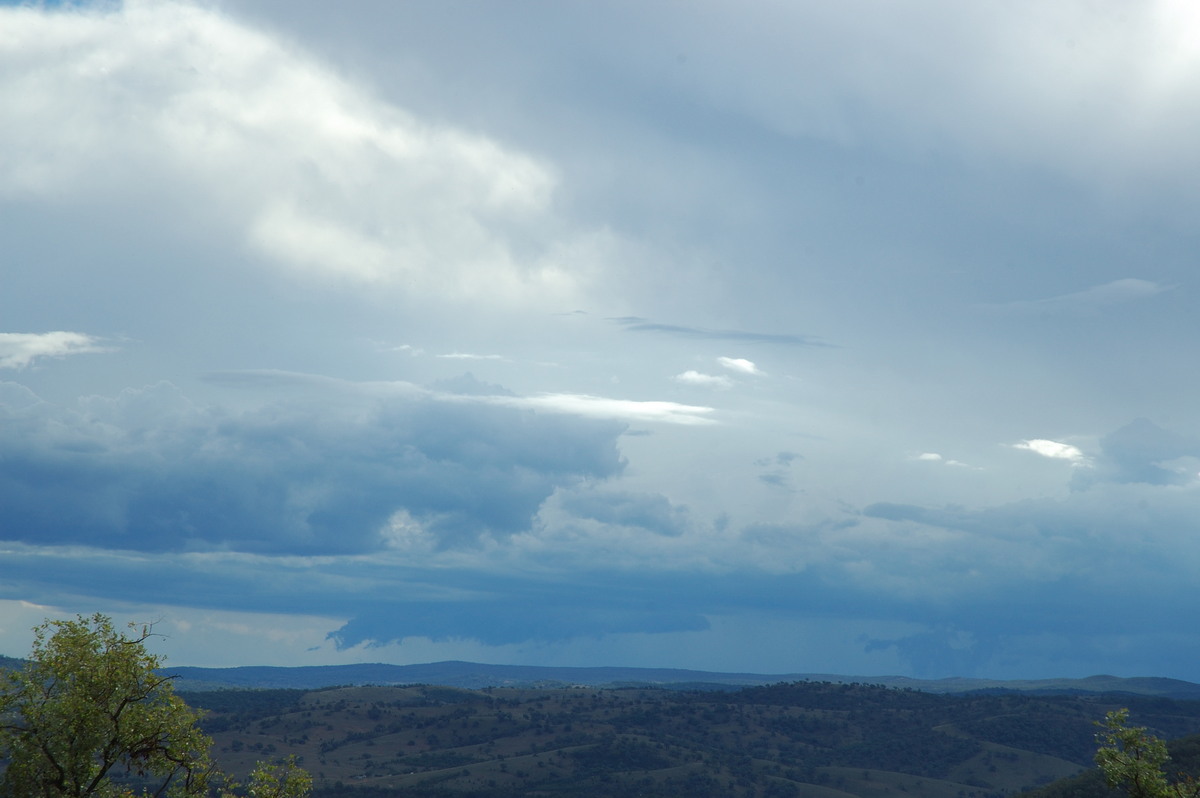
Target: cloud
[
  {"x": 778, "y": 476},
  {"x": 997, "y": 83},
  {"x": 180, "y": 105},
  {"x": 1090, "y": 301},
  {"x": 537, "y": 612},
  {"x": 692, "y": 377},
  {"x": 1113, "y": 561},
  {"x": 1052, "y": 449},
  {"x": 934, "y": 457},
  {"x": 604, "y": 407},
  {"x": 651, "y": 512},
  {"x": 18, "y": 350},
  {"x": 1062, "y": 626},
  {"x": 637, "y": 324},
  {"x": 466, "y": 389},
  {"x": 15, "y": 396},
  {"x": 938, "y": 651},
  {"x": 775, "y": 479},
  {"x": 741, "y": 366},
  {"x": 1143, "y": 452},
  {"x": 468, "y": 385},
  {"x": 148, "y": 469},
  {"x": 1129, "y": 518},
  {"x": 234, "y": 202},
  {"x": 591, "y": 563}
]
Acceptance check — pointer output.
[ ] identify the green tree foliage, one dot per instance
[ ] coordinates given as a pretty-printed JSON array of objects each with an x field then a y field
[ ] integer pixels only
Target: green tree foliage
[
  {"x": 286, "y": 780},
  {"x": 1133, "y": 759},
  {"x": 89, "y": 715},
  {"x": 89, "y": 705}
]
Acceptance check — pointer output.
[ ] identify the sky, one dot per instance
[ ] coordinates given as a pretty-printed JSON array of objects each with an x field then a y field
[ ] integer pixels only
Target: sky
[{"x": 777, "y": 337}]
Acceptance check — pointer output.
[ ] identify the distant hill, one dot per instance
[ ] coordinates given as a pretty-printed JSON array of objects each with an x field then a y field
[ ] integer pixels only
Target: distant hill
[{"x": 475, "y": 676}]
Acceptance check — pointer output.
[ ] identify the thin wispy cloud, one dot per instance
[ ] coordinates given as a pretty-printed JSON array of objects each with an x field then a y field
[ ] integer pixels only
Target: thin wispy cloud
[
  {"x": 1091, "y": 300},
  {"x": 466, "y": 389},
  {"x": 636, "y": 324},
  {"x": 609, "y": 408}
]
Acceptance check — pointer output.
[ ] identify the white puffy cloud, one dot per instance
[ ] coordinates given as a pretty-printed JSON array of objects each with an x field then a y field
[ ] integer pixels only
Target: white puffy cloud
[
  {"x": 18, "y": 350},
  {"x": 740, "y": 366},
  {"x": 693, "y": 377},
  {"x": 1052, "y": 449}
]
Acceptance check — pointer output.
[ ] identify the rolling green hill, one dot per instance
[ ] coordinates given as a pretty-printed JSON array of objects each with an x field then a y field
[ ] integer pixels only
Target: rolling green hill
[
  {"x": 550, "y": 732},
  {"x": 813, "y": 739}
]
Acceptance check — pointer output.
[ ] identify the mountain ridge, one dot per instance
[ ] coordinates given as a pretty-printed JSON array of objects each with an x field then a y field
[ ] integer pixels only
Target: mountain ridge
[{"x": 473, "y": 675}]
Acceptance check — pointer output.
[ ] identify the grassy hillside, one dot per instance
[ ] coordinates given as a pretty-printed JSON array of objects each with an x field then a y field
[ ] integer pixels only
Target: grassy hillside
[{"x": 824, "y": 740}]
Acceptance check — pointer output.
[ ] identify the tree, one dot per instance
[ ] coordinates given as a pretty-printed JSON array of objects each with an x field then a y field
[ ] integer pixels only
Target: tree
[
  {"x": 90, "y": 705},
  {"x": 1131, "y": 758},
  {"x": 286, "y": 780}
]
